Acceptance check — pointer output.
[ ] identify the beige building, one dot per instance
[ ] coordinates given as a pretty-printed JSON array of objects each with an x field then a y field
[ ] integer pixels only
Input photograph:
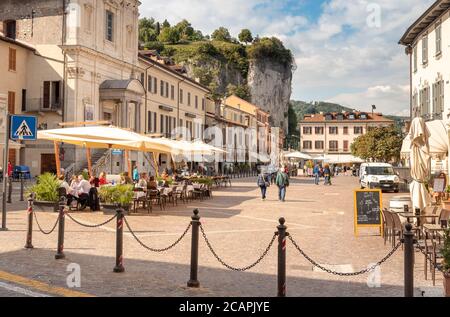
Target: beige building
[
  {"x": 174, "y": 105},
  {"x": 427, "y": 43},
  {"x": 330, "y": 135},
  {"x": 238, "y": 122}
]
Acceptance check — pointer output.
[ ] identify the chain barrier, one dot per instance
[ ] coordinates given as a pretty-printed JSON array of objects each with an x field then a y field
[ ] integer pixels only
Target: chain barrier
[
  {"x": 90, "y": 226},
  {"x": 234, "y": 268},
  {"x": 427, "y": 255},
  {"x": 153, "y": 249},
  {"x": 42, "y": 230},
  {"x": 372, "y": 268}
]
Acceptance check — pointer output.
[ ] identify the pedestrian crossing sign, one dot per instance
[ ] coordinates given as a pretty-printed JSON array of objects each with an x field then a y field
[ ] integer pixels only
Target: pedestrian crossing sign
[{"x": 23, "y": 128}]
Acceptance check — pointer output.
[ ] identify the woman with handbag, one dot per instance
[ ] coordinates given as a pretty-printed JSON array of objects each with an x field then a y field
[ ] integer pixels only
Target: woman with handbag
[{"x": 263, "y": 183}]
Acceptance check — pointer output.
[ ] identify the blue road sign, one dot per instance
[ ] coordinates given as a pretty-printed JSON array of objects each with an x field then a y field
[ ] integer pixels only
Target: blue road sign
[
  {"x": 116, "y": 152},
  {"x": 23, "y": 128}
]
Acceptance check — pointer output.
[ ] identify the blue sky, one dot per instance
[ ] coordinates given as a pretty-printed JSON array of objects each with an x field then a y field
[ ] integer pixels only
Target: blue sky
[{"x": 346, "y": 51}]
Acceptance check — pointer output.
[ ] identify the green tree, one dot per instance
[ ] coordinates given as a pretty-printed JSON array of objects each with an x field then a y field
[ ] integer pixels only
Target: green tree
[
  {"x": 165, "y": 24},
  {"x": 169, "y": 35},
  {"x": 155, "y": 45},
  {"x": 381, "y": 144},
  {"x": 245, "y": 36},
  {"x": 271, "y": 48},
  {"x": 147, "y": 30},
  {"x": 221, "y": 34},
  {"x": 242, "y": 91},
  {"x": 158, "y": 29}
]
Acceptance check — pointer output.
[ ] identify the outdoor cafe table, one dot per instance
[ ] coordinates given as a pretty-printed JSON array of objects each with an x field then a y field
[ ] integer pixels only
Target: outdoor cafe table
[
  {"x": 410, "y": 215},
  {"x": 433, "y": 228}
]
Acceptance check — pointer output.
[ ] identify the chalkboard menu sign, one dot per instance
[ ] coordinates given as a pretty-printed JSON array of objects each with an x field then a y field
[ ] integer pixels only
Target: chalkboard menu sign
[{"x": 368, "y": 204}]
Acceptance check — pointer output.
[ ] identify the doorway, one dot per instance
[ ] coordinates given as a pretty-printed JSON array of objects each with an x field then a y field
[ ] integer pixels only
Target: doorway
[{"x": 48, "y": 163}]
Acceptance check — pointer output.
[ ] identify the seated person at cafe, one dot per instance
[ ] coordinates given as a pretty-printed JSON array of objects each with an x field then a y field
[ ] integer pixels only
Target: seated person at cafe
[
  {"x": 64, "y": 184},
  {"x": 72, "y": 194},
  {"x": 152, "y": 184},
  {"x": 84, "y": 187},
  {"x": 102, "y": 179},
  {"x": 142, "y": 182},
  {"x": 125, "y": 179},
  {"x": 94, "y": 181}
]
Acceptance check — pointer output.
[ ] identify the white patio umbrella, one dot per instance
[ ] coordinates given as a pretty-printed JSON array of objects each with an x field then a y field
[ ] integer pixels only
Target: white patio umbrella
[
  {"x": 298, "y": 155},
  {"x": 420, "y": 163}
]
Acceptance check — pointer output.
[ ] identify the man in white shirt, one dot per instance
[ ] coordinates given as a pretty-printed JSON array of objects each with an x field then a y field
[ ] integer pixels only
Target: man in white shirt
[{"x": 83, "y": 190}]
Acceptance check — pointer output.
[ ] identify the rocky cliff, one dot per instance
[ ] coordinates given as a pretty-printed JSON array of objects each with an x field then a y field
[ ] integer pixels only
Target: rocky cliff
[
  {"x": 270, "y": 85},
  {"x": 260, "y": 73}
]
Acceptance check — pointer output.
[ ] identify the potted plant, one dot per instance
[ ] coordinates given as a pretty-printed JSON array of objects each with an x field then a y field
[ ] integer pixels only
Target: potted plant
[
  {"x": 446, "y": 263},
  {"x": 46, "y": 192},
  {"x": 114, "y": 197}
]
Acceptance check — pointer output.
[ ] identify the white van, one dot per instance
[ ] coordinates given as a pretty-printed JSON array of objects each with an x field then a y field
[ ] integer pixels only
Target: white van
[{"x": 379, "y": 175}]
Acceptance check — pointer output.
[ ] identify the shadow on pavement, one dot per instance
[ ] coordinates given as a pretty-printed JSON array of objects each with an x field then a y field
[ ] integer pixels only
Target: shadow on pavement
[{"x": 150, "y": 278}]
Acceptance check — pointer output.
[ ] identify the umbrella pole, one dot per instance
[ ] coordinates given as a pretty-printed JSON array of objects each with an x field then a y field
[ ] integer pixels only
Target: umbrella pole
[
  {"x": 128, "y": 161},
  {"x": 57, "y": 158},
  {"x": 89, "y": 161},
  {"x": 156, "y": 164}
]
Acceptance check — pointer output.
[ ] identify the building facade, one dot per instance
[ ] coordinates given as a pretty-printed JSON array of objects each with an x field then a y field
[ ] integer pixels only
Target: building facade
[
  {"x": 427, "y": 43},
  {"x": 331, "y": 135}
]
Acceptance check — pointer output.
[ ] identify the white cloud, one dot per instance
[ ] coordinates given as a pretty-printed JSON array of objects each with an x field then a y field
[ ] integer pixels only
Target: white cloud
[
  {"x": 339, "y": 55},
  {"x": 384, "y": 97}
]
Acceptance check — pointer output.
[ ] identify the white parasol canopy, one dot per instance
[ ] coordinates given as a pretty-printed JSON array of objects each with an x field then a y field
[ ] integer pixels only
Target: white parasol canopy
[
  {"x": 106, "y": 137},
  {"x": 298, "y": 155},
  {"x": 438, "y": 141},
  {"x": 420, "y": 163}
]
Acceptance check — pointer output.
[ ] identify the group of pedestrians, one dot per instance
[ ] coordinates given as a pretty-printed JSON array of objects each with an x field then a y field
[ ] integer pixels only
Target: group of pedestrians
[
  {"x": 280, "y": 179},
  {"x": 320, "y": 172}
]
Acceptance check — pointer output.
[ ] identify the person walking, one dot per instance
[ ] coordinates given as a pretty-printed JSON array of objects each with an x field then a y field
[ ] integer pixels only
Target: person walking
[
  {"x": 327, "y": 175},
  {"x": 135, "y": 174},
  {"x": 316, "y": 174},
  {"x": 263, "y": 183},
  {"x": 282, "y": 181}
]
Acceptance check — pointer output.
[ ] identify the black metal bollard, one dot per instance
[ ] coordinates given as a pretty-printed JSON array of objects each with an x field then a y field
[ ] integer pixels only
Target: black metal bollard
[
  {"x": 21, "y": 188},
  {"x": 29, "y": 242},
  {"x": 9, "y": 190},
  {"x": 119, "y": 268},
  {"x": 193, "y": 281},
  {"x": 282, "y": 234},
  {"x": 61, "y": 226},
  {"x": 408, "y": 238}
]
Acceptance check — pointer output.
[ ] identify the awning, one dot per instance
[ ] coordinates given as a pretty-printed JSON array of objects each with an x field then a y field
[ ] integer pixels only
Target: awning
[
  {"x": 106, "y": 138},
  {"x": 298, "y": 155},
  {"x": 438, "y": 141},
  {"x": 344, "y": 159}
]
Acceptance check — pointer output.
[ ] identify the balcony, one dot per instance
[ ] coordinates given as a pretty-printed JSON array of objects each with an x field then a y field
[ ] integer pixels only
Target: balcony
[{"x": 37, "y": 105}]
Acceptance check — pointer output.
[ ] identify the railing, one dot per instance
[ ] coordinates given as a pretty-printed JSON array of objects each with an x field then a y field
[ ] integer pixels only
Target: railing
[{"x": 104, "y": 163}]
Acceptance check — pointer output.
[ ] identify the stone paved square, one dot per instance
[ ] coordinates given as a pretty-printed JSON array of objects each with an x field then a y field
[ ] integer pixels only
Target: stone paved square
[{"x": 239, "y": 226}]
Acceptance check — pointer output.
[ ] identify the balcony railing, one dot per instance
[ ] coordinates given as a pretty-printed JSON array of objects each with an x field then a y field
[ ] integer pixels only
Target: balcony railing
[{"x": 37, "y": 105}]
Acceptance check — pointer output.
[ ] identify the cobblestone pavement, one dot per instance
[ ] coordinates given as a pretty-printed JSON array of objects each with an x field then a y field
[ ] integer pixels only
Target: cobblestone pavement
[{"x": 239, "y": 225}]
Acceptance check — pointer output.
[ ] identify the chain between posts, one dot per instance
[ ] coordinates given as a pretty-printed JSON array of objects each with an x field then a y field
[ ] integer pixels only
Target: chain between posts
[
  {"x": 153, "y": 249},
  {"x": 234, "y": 268},
  {"x": 365, "y": 271},
  {"x": 42, "y": 230},
  {"x": 90, "y": 226}
]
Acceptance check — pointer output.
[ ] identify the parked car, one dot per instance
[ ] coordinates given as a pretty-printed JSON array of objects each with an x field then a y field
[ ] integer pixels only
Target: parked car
[{"x": 379, "y": 175}]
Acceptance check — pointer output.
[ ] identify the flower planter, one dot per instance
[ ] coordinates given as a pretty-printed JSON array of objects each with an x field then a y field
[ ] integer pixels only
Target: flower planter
[
  {"x": 111, "y": 209},
  {"x": 46, "y": 206},
  {"x": 447, "y": 284}
]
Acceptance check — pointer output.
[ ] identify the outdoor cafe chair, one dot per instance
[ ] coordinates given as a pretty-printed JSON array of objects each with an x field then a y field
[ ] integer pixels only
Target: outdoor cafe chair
[
  {"x": 179, "y": 193},
  {"x": 397, "y": 229},
  {"x": 154, "y": 196},
  {"x": 388, "y": 225},
  {"x": 432, "y": 255}
]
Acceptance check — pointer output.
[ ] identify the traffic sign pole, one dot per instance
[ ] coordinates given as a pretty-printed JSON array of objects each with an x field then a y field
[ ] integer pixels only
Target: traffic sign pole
[{"x": 5, "y": 170}]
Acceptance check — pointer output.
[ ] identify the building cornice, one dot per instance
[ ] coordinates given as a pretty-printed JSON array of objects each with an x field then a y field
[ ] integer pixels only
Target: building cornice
[{"x": 432, "y": 14}]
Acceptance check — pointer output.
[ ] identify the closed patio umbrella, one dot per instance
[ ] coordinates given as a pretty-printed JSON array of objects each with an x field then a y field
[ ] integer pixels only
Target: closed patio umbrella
[{"x": 420, "y": 163}]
